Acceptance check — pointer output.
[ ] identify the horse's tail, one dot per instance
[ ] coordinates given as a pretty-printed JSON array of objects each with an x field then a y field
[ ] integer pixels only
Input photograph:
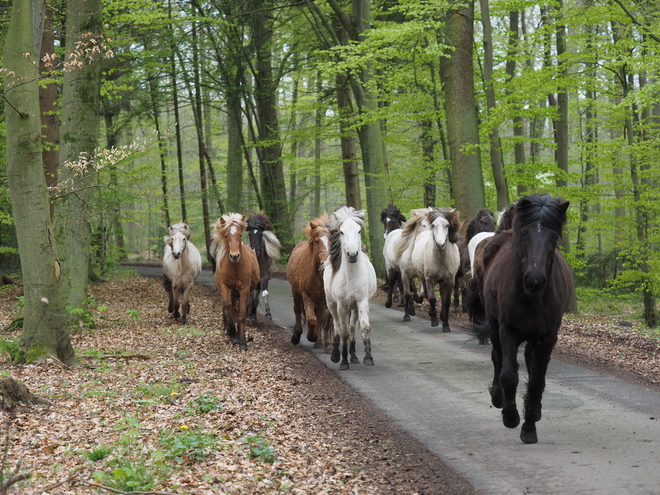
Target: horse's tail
[
  {"x": 211, "y": 254},
  {"x": 272, "y": 244}
]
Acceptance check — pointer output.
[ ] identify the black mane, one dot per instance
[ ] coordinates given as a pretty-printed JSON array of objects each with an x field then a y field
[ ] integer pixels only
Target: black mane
[
  {"x": 392, "y": 212},
  {"x": 484, "y": 221},
  {"x": 259, "y": 221},
  {"x": 540, "y": 208}
]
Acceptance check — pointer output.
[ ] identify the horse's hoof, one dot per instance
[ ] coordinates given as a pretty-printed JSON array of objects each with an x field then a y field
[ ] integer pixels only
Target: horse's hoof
[
  {"x": 412, "y": 311},
  {"x": 434, "y": 322},
  {"x": 184, "y": 320},
  {"x": 368, "y": 361},
  {"x": 528, "y": 434},
  {"x": 496, "y": 397},
  {"x": 406, "y": 318},
  {"x": 355, "y": 360},
  {"x": 334, "y": 357},
  {"x": 295, "y": 339},
  {"x": 312, "y": 338},
  {"x": 510, "y": 418},
  {"x": 269, "y": 316},
  {"x": 242, "y": 347},
  {"x": 446, "y": 329},
  {"x": 343, "y": 367},
  {"x": 388, "y": 304}
]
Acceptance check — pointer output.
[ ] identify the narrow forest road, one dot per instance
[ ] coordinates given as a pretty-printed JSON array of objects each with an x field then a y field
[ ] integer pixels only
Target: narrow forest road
[{"x": 598, "y": 435}]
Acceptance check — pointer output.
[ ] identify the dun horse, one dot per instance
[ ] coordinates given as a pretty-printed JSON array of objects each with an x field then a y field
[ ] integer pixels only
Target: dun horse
[
  {"x": 349, "y": 279},
  {"x": 236, "y": 274},
  {"x": 527, "y": 289},
  {"x": 182, "y": 263},
  {"x": 266, "y": 246},
  {"x": 305, "y": 275}
]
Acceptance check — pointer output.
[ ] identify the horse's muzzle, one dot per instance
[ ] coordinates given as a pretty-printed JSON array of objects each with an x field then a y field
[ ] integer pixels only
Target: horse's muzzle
[
  {"x": 534, "y": 283},
  {"x": 176, "y": 255},
  {"x": 234, "y": 257},
  {"x": 352, "y": 258},
  {"x": 440, "y": 247}
]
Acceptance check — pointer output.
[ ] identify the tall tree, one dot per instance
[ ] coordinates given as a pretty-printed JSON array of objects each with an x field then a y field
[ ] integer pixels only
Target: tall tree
[
  {"x": 460, "y": 106},
  {"x": 45, "y": 326},
  {"x": 79, "y": 126}
]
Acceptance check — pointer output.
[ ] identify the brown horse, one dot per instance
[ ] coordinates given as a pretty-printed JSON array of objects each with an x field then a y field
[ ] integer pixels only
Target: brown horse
[
  {"x": 236, "y": 274},
  {"x": 305, "y": 274}
]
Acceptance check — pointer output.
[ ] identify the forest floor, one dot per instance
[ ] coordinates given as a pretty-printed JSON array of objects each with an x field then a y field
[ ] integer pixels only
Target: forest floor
[{"x": 163, "y": 408}]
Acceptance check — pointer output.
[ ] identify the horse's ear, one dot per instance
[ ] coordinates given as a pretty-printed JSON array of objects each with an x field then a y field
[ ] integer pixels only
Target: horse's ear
[
  {"x": 564, "y": 206},
  {"x": 222, "y": 221}
]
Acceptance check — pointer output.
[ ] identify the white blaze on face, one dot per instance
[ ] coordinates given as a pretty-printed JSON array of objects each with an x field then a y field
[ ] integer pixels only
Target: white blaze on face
[
  {"x": 324, "y": 240},
  {"x": 232, "y": 229}
]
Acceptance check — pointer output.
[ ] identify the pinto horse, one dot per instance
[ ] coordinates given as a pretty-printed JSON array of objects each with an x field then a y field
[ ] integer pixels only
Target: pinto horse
[
  {"x": 527, "y": 289},
  {"x": 436, "y": 260},
  {"x": 305, "y": 275},
  {"x": 266, "y": 246},
  {"x": 236, "y": 274},
  {"x": 393, "y": 220},
  {"x": 349, "y": 280},
  {"x": 483, "y": 221}
]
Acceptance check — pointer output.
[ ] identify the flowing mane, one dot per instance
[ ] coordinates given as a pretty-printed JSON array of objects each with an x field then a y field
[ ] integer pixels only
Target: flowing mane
[
  {"x": 271, "y": 243},
  {"x": 411, "y": 229},
  {"x": 539, "y": 209}
]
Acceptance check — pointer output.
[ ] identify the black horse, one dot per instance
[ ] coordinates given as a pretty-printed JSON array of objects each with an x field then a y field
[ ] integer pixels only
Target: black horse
[
  {"x": 527, "y": 288},
  {"x": 266, "y": 245}
]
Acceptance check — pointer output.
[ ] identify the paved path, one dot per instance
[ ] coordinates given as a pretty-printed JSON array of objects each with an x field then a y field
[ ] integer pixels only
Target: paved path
[{"x": 598, "y": 435}]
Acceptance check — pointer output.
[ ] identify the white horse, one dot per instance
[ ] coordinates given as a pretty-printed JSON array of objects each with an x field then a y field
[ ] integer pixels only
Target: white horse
[
  {"x": 399, "y": 255},
  {"x": 182, "y": 263},
  {"x": 349, "y": 280},
  {"x": 436, "y": 259}
]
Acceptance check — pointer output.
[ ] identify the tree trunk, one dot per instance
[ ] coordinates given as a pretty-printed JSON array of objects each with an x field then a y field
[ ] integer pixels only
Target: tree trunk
[
  {"x": 45, "y": 326},
  {"x": 79, "y": 126},
  {"x": 351, "y": 172},
  {"x": 153, "y": 90},
  {"x": 460, "y": 107},
  {"x": 234, "y": 152}
]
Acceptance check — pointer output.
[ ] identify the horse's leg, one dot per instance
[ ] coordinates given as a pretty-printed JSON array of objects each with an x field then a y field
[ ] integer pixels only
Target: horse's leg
[
  {"x": 336, "y": 337},
  {"x": 185, "y": 306},
  {"x": 409, "y": 305},
  {"x": 175, "y": 301},
  {"x": 343, "y": 366},
  {"x": 399, "y": 285},
  {"x": 324, "y": 319},
  {"x": 298, "y": 308},
  {"x": 167, "y": 283},
  {"x": 509, "y": 377},
  {"x": 243, "y": 300},
  {"x": 391, "y": 281},
  {"x": 310, "y": 316},
  {"x": 353, "y": 324},
  {"x": 445, "y": 294},
  {"x": 458, "y": 279},
  {"x": 365, "y": 327},
  {"x": 537, "y": 357},
  {"x": 433, "y": 301},
  {"x": 228, "y": 313},
  {"x": 496, "y": 395},
  {"x": 266, "y": 297}
]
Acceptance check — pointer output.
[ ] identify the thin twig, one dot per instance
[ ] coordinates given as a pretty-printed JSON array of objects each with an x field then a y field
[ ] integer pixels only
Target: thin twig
[{"x": 114, "y": 490}]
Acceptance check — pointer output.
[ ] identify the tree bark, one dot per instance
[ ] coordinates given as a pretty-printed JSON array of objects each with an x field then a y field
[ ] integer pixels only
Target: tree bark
[
  {"x": 460, "y": 107},
  {"x": 79, "y": 126},
  {"x": 45, "y": 326}
]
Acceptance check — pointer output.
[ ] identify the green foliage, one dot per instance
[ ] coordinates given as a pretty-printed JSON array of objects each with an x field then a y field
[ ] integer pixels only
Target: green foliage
[
  {"x": 186, "y": 445},
  {"x": 134, "y": 314},
  {"x": 258, "y": 449},
  {"x": 203, "y": 404},
  {"x": 12, "y": 348},
  {"x": 99, "y": 453},
  {"x": 87, "y": 314},
  {"x": 127, "y": 475}
]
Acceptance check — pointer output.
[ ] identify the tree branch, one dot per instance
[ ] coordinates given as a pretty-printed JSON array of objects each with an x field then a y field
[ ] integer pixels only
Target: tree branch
[{"x": 637, "y": 22}]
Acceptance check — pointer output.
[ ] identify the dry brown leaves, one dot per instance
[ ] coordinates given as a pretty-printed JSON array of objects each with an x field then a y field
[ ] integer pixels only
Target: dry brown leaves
[{"x": 139, "y": 381}]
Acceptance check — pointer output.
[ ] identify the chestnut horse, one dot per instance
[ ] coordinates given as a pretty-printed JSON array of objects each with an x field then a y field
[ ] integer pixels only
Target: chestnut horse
[
  {"x": 236, "y": 274},
  {"x": 527, "y": 288},
  {"x": 305, "y": 275}
]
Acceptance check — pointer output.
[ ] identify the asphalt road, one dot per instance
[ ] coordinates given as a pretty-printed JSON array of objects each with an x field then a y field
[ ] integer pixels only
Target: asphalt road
[{"x": 599, "y": 435}]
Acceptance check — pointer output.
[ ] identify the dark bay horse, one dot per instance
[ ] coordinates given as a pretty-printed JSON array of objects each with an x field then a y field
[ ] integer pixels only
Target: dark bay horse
[
  {"x": 266, "y": 246},
  {"x": 236, "y": 274},
  {"x": 527, "y": 289},
  {"x": 304, "y": 272},
  {"x": 483, "y": 221}
]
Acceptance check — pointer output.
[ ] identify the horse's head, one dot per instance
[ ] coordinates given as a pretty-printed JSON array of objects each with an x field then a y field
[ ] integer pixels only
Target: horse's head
[
  {"x": 392, "y": 219},
  {"x": 444, "y": 225},
  {"x": 178, "y": 238},
  {"x": 257, "y": 225},
  {"x": 228, "y": 231},
  {"x": 318, "y": 237},
  {"x": 346, "y": 235},
  {"x": 484, "y": 221},
  {"x": 537, "y": 227}
]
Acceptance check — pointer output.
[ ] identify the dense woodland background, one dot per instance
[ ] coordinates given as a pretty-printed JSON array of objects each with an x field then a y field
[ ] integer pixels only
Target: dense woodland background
[{"x": 154, "y": 112}]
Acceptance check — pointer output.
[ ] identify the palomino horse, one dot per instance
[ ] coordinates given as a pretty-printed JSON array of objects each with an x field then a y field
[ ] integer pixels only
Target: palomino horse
[
  {"x": 436, "y": 260},
  {"x": 236, "y": 274},
  {"x": 527, "y": 289},
  {"x": 266, "y": 246},
  {"x": 181, "y": 265},
  {"x": 484, "y": 221},
  {"x": 349, "y": 279},
  {"x": 400, "y": 252},
  {"x": 305, "y": 275},
  {"x": 393, "y": 220}
]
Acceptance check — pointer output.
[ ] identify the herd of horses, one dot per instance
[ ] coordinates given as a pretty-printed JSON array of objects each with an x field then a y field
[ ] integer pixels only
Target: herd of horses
[{"x": 514, "y": 282}]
